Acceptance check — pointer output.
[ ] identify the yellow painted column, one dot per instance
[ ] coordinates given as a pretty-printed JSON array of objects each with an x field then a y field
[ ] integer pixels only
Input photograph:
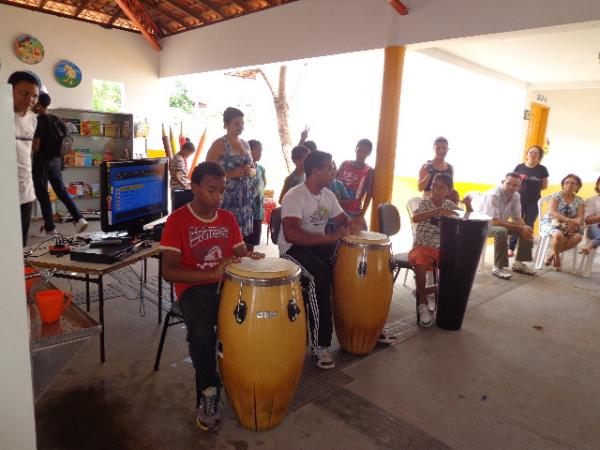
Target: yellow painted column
[{"x": 388, "y": 130}]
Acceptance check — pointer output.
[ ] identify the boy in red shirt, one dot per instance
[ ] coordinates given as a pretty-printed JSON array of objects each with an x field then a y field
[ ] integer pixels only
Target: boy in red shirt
[
  {"x": 199, "y": 240},
  {"x": 357, "y": 177}
]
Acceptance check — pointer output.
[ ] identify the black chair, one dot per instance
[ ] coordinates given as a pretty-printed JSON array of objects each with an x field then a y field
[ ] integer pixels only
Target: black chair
[
  {"x": 275, "y": 224},
  {"x": 389, "y": 224},
  {"x": 177, "y": 315}
]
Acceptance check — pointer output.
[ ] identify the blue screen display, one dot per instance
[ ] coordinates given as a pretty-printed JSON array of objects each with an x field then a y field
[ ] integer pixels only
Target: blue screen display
[{"x": 136, "y": 191}]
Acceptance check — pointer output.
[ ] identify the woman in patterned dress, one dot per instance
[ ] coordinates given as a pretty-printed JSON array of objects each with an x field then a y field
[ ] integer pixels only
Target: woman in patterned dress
[
  {"x": 564, "y": 220},
  {"x": 233, "y": 154}
]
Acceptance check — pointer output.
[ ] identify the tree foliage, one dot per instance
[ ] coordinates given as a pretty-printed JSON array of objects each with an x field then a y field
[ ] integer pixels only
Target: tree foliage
[
  {"x": 107, "y": 96},
  {"x": 180, "y": 98}
]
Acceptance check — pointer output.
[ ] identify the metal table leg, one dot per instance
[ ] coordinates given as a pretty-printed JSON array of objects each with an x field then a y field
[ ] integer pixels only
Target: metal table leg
[
  {"x": 160, "y": 269},
  {"x": 87, "y": 292},
  {"x": 101, "y": 317}
]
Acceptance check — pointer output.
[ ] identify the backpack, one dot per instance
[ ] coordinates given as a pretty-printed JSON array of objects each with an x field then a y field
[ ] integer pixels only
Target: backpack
[{"x": 57, "y": 133}]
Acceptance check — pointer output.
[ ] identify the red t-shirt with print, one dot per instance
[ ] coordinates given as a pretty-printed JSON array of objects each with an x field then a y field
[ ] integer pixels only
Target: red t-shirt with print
[
  {"x": 355, "y": 181},
  {"x": 202, "y": 244}
]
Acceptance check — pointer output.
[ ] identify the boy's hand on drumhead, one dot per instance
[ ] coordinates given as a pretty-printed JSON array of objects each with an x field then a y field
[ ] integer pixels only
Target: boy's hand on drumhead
[
  {"x": 224, "y": 263},
  {"x": 256, "y": 255},
  {"x": 447, "y": 212}
]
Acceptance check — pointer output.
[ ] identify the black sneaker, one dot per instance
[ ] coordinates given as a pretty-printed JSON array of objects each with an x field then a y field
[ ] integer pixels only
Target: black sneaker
[{"x": 208, "y": 417}]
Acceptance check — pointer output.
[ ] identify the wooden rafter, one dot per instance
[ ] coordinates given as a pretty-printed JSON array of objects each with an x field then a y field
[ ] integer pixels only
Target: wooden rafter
[
  {"x": 83, "y": 5},
  {"x": 399, "y": 7},
  {"x": 213, "y": 7},
  {"x": 138, "y": 15},
  {"x": 168, "y": 17},
  {"x": 171, "y": 17},
  {"x": 186, "y": 10}
]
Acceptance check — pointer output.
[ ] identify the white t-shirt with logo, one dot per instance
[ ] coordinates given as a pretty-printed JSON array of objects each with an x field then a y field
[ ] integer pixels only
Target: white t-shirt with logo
[
  {"x": 314, "y": 210},
  {"x": 24, "y": 130}
]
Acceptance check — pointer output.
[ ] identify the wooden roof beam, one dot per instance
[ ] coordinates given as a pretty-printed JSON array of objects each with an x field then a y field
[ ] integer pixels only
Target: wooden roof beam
[
  {"x": 170, "y": 16},
  {"x": 399, "y": 7},
  {"x": 187, "y": 10},
  {"x": 138, "y": 15},
  {"x": 42, "y": 4},
  {"x": 82, "y": 5},
  {"x": 213, "y": 7}
]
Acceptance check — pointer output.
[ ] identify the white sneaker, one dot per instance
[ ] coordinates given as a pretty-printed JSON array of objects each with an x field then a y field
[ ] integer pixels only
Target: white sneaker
[
  {"x": 324, "y": 359},
  {"x": 425, "y": 319},
  {"x": 501, "y": 273},
  {"x": 519, "y": 266},
  {"x": 45, "y": 233},
  {"x": 431, "y": 303},
  {"x": 81, "y": 225}
]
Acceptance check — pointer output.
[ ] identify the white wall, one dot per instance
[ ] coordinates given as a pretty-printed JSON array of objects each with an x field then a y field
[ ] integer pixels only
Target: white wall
[
  {"x": 574, "y": 133},
  {"x": 309, "y": 28},
  {"x": 101, "y": 54},
  {"x": 17, "y": 427},
  {"x": 481, "y": 115}
]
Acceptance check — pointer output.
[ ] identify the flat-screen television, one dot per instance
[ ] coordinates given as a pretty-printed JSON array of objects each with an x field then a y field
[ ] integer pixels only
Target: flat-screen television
[{"x": 133, "y": 193}]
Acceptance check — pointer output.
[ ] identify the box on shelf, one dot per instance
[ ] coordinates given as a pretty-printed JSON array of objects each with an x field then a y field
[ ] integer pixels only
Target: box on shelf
[
  {"x": 80, "y": 189},
  {"x": 73, "y": 126},
  {"x": 79, "y": 160},
  {"x": 91, "y": 128},
  {"x": 111, "y": 129}
]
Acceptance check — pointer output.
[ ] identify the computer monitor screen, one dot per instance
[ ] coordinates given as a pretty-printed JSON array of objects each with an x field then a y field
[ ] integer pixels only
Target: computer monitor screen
[{"x": 133, "y": 193}]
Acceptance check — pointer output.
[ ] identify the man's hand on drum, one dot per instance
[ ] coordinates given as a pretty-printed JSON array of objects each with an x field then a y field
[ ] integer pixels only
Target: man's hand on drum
[
  {"x": 256, "y": 255},
  {"x": 340, "y": 232},
  {"x": 357, "y": 224}
]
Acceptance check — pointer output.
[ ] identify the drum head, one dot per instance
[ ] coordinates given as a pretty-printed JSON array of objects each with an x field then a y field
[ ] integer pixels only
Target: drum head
[
  {"x": 267, "y": 268},
  {"x": 367, "y": 237}
]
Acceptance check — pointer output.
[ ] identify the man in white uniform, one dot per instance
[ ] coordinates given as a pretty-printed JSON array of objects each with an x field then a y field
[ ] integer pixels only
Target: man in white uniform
[
  {"x": 26, "y": 88},
  {"x": 305, "y": 211}
]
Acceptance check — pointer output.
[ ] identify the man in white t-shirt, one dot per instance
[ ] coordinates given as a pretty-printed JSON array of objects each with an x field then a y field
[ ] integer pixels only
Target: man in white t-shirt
[
  {"x": 305, "y": 211},
  {"x": 26, "y": 89}
]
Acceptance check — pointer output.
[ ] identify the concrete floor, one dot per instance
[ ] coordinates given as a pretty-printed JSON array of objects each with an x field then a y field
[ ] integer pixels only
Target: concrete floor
[{"x": 522, "y": 374}]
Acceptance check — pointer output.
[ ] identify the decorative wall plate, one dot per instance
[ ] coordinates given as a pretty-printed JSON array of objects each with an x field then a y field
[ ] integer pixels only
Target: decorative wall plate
[
  {"x": 28, "y": 49},
  {"x": 67, "y": 74}
]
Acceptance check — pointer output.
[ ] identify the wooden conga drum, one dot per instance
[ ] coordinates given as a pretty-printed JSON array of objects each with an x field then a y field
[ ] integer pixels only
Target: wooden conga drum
[
  {"x": 362, "y": 290},
  {"x": 261, "y": 339}
]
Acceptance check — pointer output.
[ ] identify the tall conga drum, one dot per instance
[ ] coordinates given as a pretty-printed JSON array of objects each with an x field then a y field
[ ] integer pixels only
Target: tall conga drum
[
  {"x": 362, "y": 290},
  {"x": 461, "y": 241},
  {"x": 261, "y": 339}
]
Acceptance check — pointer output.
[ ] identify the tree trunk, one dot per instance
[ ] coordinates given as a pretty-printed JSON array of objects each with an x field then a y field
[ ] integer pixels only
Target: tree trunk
[{"x": 282, "y": 110}]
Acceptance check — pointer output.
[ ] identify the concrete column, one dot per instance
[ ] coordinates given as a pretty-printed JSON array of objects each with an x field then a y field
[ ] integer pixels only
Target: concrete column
[{"x": 388, "y": 130}]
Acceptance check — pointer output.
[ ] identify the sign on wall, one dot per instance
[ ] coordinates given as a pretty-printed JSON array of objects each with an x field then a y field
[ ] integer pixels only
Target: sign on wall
[{"x": 28, "y": 49}]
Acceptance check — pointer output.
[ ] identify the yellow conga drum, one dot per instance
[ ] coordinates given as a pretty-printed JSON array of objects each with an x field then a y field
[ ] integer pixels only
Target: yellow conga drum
[
  {"x": 362, "y": 290},
  {"x": 262, "y": 339}
]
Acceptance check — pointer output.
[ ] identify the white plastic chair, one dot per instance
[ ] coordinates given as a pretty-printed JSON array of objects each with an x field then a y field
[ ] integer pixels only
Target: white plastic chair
[
  {"x": 474, "y": 196},
  {"x": 587, "y": 262},
  {"x": 544, "y": 243}
]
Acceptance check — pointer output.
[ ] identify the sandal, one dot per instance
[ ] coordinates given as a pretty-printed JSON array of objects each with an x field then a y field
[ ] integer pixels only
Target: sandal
[{"x": 556, "y": 265}]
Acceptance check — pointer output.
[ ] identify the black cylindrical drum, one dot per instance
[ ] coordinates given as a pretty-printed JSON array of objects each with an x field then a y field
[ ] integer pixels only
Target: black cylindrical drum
[{"x": 462, "y": 239}]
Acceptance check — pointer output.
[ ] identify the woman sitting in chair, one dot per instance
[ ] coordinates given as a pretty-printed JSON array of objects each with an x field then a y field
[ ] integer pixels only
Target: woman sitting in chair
[
  {"x": 425, "y": 253},
  {"x": 564, "y": 220},
  {"x": 592, "y": 219}
]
